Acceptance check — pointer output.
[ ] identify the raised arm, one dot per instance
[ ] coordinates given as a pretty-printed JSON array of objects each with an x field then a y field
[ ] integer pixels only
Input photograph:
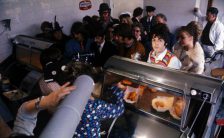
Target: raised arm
[
  {"x": 113, "y": 109},
  {"x": 198, "y": 14},
  {"x": 27, "y": 114}
]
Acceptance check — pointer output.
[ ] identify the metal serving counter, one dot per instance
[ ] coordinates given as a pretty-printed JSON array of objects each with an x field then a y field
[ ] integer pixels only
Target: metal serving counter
[{"x": 163, "y": 102}]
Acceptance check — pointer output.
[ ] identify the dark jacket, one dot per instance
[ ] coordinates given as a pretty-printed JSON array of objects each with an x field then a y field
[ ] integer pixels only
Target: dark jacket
[
  {"x": 112, "y": 21},
  {"x": 100, "y": 58},
  {"x": 134, "y": 20},
  {"x": 148, "y": 25},
  {"x": 136, "y": 47}
]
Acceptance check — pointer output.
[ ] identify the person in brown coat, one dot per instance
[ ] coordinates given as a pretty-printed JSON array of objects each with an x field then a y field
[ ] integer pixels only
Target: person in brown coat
[{"x": 132, "y": 48}]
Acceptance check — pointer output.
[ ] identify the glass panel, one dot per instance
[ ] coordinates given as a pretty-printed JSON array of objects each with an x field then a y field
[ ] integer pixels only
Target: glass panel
[
  {"x": 35, "y": 59},
  {"x": 159, "y": 102}
]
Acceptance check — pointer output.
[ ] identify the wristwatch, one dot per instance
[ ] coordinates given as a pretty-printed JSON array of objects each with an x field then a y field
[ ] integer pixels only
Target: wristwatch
[{"x": 37, "y": 103}]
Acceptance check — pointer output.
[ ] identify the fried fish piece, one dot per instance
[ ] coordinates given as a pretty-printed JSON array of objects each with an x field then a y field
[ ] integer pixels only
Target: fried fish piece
[
  {"x": 126, "y": 82},
  {"x": 132, "y": 96}
]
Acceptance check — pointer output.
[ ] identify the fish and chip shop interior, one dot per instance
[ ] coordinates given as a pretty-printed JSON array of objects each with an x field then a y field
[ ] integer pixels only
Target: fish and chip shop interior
[{"x": 111, "y": 69}]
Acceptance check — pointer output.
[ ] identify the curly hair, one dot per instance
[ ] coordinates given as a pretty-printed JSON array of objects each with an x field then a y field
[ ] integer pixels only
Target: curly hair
[
  {"x": 194, "y": 29},
  {"x": 160, "y": 30}
]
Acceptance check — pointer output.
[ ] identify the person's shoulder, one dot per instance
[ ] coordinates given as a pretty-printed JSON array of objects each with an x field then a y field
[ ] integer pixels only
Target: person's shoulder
[
  {"x": 175, "y": 62},
  {"x": 198, "y": 46},
  {"x": 72, "y": 42},
  {"x": 154, "y": 18},
  {"x": 114, "y": 20},
  {"x": 134, "y": 19},
  {"x": 66, "y": 37},
  {"x": 109, "y": 43},
  {"x": 219, "y": 24},
  {"x": 198, "y": 52},
  {"x": 98, "y": 103},
  {"x": 174, "y": 57},
  {"x": 139, "y": 44},
  {"x": 143, "y": 19}
]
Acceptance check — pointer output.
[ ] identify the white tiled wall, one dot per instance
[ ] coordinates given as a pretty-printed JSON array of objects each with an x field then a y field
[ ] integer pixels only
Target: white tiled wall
[
  {"x": 27, "y": 15},
  {"x": 124, "y": 6}
]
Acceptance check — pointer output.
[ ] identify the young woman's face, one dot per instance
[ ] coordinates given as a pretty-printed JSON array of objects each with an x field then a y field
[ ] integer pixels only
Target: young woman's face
[
  {"x": 158, "y": 44},
  {"x": 185, "y": 39},
  {"x": 124, "y": 20}
]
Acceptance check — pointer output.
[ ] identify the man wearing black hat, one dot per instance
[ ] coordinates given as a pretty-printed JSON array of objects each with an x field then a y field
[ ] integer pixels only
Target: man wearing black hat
[
  {"x": 149, "y": 20},
  {"x": 46, "y": 28},
  {"x": 59, "y": 38},
  {"x": 105, "y": 17},
  {"x": 132, "y": 48}
]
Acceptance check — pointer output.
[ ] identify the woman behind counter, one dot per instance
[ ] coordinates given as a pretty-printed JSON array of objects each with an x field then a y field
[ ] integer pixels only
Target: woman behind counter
[
  {"x": 188, "y": 49},
  {"x": 160, "y": 55}
]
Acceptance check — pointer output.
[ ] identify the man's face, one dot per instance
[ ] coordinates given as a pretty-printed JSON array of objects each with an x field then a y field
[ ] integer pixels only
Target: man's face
[
  {"x": 160, "y": 20},
  {"x": 128, "y": 41},
  {"x": 150, "y": 14},
  {"x": 118, "y": 39},
  {"x": 158, "y": 44},
  {"x": 57, "y": 35},
  {"x": 78, "y": 36},
  {"x": 99, "y": 40},
  {"x": 210, "y": 17},
  {"x": 136, "y": 32},
  {"x": 105, "y": 15},
  {"x": 110, "y": 32}
]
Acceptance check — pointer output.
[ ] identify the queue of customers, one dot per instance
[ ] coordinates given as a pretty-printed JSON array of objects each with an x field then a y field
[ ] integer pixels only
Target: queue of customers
[
  {"x": 146, "y": 39},
  {"x": 139, "y": 37}
]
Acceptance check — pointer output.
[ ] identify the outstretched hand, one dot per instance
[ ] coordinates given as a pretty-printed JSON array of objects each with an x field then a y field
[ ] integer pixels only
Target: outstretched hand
[{"x": 54, "y": 98}]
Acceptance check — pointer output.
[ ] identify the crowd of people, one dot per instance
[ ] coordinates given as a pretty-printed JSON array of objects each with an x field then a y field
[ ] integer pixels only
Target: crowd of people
[
  {"x": 146, "y": 39},
  {"x": 141, "y": 38}
]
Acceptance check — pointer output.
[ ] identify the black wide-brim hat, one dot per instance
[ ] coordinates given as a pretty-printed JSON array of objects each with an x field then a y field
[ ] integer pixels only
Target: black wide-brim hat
[
  {"x": 57, "y": 27},
  {"x": 150, "y": 8},
  {"x": 104, "y": 7}
]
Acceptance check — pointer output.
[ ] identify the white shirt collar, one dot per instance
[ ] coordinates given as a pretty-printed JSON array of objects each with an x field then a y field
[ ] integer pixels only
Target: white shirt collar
[
  {"x": 139, "y": 38},
  {"x": 149, "y": 19},
  {"x": 160, "y": 56},
  {"x": 101, "y": 46}
]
